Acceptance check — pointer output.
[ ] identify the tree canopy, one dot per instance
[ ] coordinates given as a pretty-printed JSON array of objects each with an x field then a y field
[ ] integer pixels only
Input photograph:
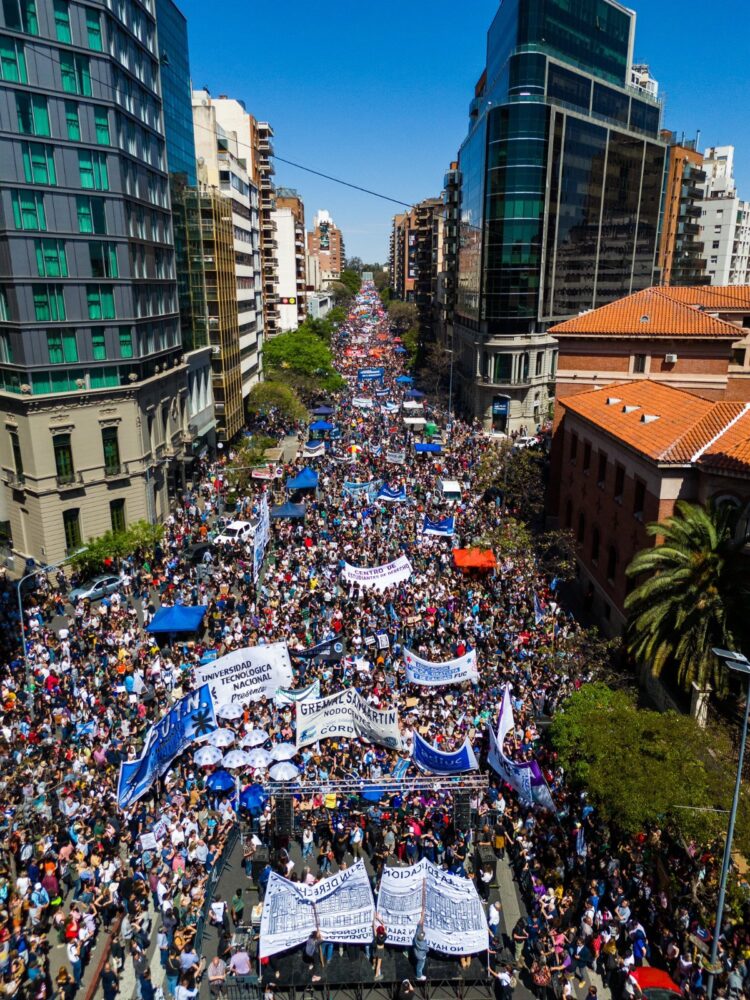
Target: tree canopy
[
  {"x": 402, "y": 315},
  {"x": 269, "y": 396},
  {"x": 520, "y": 476},
  {"x": 247, "y": 454},
  {"x": 301, "y": 359},
  {"x": 691, "y": 596},
  {"x": 139, "y": 537},
  {"x": 641, "y": 768}
]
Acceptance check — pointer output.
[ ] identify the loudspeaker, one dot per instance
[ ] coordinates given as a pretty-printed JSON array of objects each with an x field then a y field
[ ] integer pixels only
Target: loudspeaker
[
  {"x": 462, "y": 810},
  {"x": 260, "y": 859},
  {"x": 284, "y": 816}
]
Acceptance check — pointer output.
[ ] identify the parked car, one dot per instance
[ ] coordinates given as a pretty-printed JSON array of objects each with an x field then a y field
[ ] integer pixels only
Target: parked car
[
  {"x": 95, "y": 589},
  {"x": 235, "y": 531}
]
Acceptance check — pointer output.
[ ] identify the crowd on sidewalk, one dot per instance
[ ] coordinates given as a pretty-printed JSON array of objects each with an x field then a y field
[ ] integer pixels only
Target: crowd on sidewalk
[{"x": 73, "y": 863}]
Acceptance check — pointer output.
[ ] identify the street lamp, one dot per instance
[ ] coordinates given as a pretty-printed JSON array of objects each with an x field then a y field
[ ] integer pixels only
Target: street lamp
[
  {"x": 19, "y": 590},
  {"x": 740, "y": 664}
]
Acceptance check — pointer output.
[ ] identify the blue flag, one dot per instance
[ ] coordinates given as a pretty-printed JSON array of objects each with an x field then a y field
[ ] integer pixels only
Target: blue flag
[
  {"x": 538, "y": 611},
  {"x": 444, "y": 527},
  {"x": 189, "y": 718},
  {"x": 392, "y": 495}
]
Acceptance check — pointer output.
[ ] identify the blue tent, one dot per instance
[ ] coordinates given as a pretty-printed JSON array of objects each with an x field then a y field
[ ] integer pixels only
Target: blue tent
[
  {"x": 321, "y": 425},
  {"x": 404, "y": 380},
  {"x": 433, "y": 448},
  {"x": 322, "y": 411},
  {"x": 220, "y": 781},
  {"x": 287, "y": 509},
  {"x": 400, "y": 350},
  {"x": 413, "y": 394},
  {"x": 306, "y": 480},
  {"x": 177, "y": 619}
]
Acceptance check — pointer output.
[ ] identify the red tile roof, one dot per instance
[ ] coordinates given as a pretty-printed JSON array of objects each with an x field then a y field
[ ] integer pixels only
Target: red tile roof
[
  {"x": 660, "y": 422},
  {"x": 731, "y": 452},
  {"x": 712, "y": 297},
  {"x": 655, "y": 312}
]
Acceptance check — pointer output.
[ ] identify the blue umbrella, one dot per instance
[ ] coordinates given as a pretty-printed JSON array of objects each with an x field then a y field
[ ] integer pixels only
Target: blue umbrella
[
  {"x": 321, "y": 425},
  {"x": 220, "y": 781},
  {"x": 253, "y": 797},
  {"x": 404, "y": 380},
  {"x": 400, "y": 350}
]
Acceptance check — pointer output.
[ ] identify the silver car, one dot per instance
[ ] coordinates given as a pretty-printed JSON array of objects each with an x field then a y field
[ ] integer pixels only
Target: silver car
[{"x": 95, "y": 589}]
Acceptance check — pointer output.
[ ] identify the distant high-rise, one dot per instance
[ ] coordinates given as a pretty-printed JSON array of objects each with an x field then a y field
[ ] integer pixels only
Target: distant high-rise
[
  {"x": 725, "y": 220},
  {"x": 92, "y": 368},
  {"x": 291, "y": 288},
  {"x": 682, "y": 251},
  {"x": 561, "y": 181},
  {"x": 326, "y": 242}
]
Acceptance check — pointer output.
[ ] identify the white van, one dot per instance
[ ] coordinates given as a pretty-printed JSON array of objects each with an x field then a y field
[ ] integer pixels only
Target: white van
[{"x": 449, "y": 490}]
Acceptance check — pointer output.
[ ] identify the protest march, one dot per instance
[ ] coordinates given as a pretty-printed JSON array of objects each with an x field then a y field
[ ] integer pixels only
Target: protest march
[{"x": 361, "y": 710}]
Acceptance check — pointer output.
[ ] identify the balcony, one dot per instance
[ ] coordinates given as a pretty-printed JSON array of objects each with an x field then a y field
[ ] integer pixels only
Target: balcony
[
  {"x": 115, "y": 471},
  {"x": 14, "y": 480},
  {"x": 69, "y": 481}
]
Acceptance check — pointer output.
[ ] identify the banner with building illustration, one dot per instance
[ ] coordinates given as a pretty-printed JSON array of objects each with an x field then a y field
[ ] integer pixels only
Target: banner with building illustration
[
  {"x": 340, "y": 907},
  {"x": 454, "y": 920}
]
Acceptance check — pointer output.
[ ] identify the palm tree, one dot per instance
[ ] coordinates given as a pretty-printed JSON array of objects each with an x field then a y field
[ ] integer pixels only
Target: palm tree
[{"x": 693, "y": 585}]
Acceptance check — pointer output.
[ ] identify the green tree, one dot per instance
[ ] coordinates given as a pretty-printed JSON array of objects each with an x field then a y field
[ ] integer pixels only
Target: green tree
[
  {"x": 268, "y": 396},
  {"x": 402, "y": 315},
  {"x": 140, "y": 537},
  {"x": 520, "y": 476},
  {"x": 298, "y": 353},
  {"x": 639, "y": 767},
  {"x": 342, "y": 293},
  {"x": 691, "y": 596},
  {"x": 351, "y": 279},
  {"x": 248, "y": 454},
  {"x": 355, "y": 264},
  {"x": 436, "y": 364}
]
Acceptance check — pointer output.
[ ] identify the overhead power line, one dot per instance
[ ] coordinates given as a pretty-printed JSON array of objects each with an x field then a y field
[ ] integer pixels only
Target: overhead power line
[{"x": 337, "y": 180}]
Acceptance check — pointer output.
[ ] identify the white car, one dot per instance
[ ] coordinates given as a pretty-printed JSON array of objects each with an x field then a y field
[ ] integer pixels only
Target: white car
[{"x": 234, "y": 532}]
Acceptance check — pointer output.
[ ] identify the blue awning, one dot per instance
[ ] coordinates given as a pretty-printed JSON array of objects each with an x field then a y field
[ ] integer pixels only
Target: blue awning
[
  {"x": 306, "y": 480},
  {"x": 291, "y": 510},
  {"x": 404, "y": 380},
  {"x": 178, "y": 619},
  {"x": 434, "y": 448},
  {"x": 321, "y": 425}
]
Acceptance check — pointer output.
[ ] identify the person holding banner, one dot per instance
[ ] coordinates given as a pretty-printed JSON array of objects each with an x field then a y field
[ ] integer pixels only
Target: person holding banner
[{"x": 421, "y": 950}]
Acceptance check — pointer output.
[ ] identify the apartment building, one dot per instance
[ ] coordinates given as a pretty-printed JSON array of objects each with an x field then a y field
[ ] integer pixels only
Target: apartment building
[
  {"x": 682, "y": 259},
  {"x": 725, "y": 220},
  {"x": 291, "y": 289},
  {"x": 326, "y": 242},
  {"x": 93, "y": 374}
]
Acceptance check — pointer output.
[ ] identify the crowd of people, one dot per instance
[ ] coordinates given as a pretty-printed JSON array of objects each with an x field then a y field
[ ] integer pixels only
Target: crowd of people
[{"x": 73, "y": 864}]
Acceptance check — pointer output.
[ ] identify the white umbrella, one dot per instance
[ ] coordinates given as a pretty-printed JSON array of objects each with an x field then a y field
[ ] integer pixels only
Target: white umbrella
[
  {"x": 255, "y": 738},
  {"x": 283, "y": 751},
  {"x": 221, "y": 738},
  {"x": 283, "y": 771},
  {"x": 259, "y": 758},
  {"x": 235, "y": 758},
  {"x": 230, "y": 711},
  {"x": 206, "y": 756}
]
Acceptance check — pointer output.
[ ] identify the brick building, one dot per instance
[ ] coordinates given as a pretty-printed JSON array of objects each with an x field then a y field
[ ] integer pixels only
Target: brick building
[
  {"x": 693, "y": 338},
  {"x": 627, "y": 453}
]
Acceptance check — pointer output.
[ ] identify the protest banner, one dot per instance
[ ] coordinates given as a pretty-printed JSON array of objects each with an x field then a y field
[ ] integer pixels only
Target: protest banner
[
  {"x": 288, "y": 696},
  {"x": 392, "y": 494},
  {"x": 379, "y": 577},
  {"x": 314, "y": 449},
  {"x": 189, "y": 718},
  {"x": 428, "y": 674},
  {"x": 330, "y": 650},
  {"x": 454, "y": 920},
  {"x": 346, "y": 714},
  {"x": 247, "y": 674},
  {"x": 445, "y": 527},
  {"x": 428, "y": 758},
  {"x": 395, "y": 457},
  {"x": 340, "y": 907},
  {"x": 262, "y": 537},
  {"x": 516, "y": 775},
  {"x": 362, "y": 403}
]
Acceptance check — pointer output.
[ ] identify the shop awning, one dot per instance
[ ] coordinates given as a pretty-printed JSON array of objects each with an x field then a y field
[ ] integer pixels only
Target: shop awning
[{"x": 177, "y": 619}]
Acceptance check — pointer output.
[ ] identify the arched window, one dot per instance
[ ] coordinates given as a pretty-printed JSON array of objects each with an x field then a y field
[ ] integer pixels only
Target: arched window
[{"x": 611, "y": 563}]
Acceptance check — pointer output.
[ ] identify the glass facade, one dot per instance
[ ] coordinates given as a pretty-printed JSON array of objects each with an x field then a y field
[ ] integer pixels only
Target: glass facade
[
  {"x": 569, "y": 189},
  {"x": 180, "y": 145}
]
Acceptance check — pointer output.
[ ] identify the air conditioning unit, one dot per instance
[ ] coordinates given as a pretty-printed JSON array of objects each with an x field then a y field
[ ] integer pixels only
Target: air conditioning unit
[{"x": 670, "y": 359}]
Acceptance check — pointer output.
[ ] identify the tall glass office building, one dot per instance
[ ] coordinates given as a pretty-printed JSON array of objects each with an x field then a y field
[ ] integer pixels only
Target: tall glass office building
[{"x": 561, "y": 180}]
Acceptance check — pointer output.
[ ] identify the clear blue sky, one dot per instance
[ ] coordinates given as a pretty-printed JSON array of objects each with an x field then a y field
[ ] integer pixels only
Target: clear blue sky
[{"x": 378, "y": 93}]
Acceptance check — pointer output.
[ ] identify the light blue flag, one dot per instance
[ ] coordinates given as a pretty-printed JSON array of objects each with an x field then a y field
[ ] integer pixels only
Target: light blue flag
[
  {"x": 428, "y": 758},
  {"x": 445, "y": 527}
]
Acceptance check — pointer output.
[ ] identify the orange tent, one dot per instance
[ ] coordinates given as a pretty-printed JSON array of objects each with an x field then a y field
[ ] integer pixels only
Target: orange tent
[{"x": 483, "y": 559}]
